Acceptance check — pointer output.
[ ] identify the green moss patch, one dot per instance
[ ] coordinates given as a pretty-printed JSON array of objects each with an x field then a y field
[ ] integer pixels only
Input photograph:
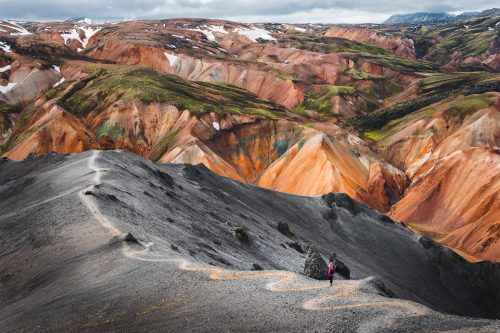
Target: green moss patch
[
  {"x": 321, "y": 101},
  {"x": 162, "y": 146}
]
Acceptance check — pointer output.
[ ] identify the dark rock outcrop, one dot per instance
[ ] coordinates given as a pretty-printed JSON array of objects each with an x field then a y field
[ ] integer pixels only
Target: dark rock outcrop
[
  {"x": 315, "y": 265},
  {"x": 342, "y": 269}
]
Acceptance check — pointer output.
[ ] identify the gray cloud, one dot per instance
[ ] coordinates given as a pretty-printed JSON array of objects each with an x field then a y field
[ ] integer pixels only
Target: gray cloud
[{"x": 328, "y": 11}]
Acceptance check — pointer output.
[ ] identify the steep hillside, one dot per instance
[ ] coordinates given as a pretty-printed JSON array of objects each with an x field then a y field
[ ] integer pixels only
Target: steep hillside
[
  {"x": 71, "y": 266},
  {"x": 449, "y": 151}
]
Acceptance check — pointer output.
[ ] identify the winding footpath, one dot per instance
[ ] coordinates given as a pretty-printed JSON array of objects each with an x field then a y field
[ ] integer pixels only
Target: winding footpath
[{"x": 346, "y": 294}]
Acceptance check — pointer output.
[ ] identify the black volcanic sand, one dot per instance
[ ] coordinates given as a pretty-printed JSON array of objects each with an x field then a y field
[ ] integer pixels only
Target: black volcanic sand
[{"x": 65, "y": 264}]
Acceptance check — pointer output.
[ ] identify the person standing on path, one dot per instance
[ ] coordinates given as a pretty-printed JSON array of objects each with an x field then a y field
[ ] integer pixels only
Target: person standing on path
[{"x": 331, "y": 271}]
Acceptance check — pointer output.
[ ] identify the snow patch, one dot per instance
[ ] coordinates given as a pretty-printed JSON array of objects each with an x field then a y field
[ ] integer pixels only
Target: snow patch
[
  {"x": 4, "y": 69},
  {"x": 5, "y": 47},
  {"x": 208, "y": 31},
  {"x": 73, "y": 34},
  {"x": 13, "y": 25},
  {"x": 61, "y": 81},
  {"x": 255, "y": 33},
  {"x": 89, "y": 32},
  {"x": 216, "y": 125},
  {"x": 172, "y": 58},
  {"x": 300, "y": 29},
  {"x": 58, "y": 69}
]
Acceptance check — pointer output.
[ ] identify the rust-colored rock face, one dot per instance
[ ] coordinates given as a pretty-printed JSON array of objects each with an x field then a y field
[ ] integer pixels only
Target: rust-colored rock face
[
  {"x": 335, "y": 109},
  {"x": 457, "y": 202}
]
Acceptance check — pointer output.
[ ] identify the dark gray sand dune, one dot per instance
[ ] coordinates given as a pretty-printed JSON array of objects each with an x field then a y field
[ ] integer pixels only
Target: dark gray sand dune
[{"x": 66, "y": 266}]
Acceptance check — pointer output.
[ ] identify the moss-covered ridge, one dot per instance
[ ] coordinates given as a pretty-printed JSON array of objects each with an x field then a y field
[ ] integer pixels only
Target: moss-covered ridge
[
  {"x": 455, "y": 107},
  {"x": 431, "y": 90},
  {"x": 467, "y": 38},
  {"x": 5, "y": 110},
  {"x": 107, "y": 84}
]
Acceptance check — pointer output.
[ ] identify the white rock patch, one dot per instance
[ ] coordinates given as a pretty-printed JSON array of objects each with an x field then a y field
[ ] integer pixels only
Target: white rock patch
[
  {"x": 216, "y": 125},
  {"x": 416, "y": 165},
  {"x": 172, "y": 58}
]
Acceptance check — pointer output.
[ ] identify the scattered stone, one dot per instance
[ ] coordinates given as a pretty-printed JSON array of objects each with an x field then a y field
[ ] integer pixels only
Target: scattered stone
[
  {"x": 342, "y": 269},
  {"x": 385, "y": 218},
  {"x": 31, "y": 156},
  {"x": 241, "y": 234},
  {"x": 284, "y": 228},
  {"x": 296, "y": 246},
  {"x": 426, "y": 242},
  {"x": 165, "y": 179},
  {"x": 7, "y": 276},
  {"x": 128, "y": 237},
  {"x": 257, "y": 267},
  {"x": 112, "y": 197},
  {"x": 173, "y": 247},
  {"x": 315, "y": 266},
  {"x": 374, "y": 285}
]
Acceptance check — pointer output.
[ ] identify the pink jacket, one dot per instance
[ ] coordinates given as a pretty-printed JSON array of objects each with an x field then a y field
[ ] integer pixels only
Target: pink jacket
[{"x": 331, "y": 270}]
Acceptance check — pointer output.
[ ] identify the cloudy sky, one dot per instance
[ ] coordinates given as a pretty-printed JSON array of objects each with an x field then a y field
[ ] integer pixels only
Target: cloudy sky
[{"x": 292, "y": 11}]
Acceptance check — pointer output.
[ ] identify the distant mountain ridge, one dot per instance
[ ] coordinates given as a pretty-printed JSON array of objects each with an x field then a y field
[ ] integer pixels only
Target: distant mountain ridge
[
  {"x": 425, "y": 17},
  {"x": 80, "y": 20}
]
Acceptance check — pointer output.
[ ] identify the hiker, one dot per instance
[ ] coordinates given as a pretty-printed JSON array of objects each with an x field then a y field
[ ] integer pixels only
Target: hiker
[{"x": 331, "y": 271}]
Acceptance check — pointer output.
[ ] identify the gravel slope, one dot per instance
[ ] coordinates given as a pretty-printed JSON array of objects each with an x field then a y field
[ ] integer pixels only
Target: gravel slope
[{"x": 65, "y": 267}]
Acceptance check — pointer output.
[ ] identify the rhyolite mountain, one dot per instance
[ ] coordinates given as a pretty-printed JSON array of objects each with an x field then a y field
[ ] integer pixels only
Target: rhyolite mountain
[{"x": 404, "y": 119}]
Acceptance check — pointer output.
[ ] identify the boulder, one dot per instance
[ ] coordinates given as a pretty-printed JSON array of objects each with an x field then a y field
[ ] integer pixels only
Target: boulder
[
  {"x": 342, "y": 269},
  {"x": 315, "y": 265}
]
